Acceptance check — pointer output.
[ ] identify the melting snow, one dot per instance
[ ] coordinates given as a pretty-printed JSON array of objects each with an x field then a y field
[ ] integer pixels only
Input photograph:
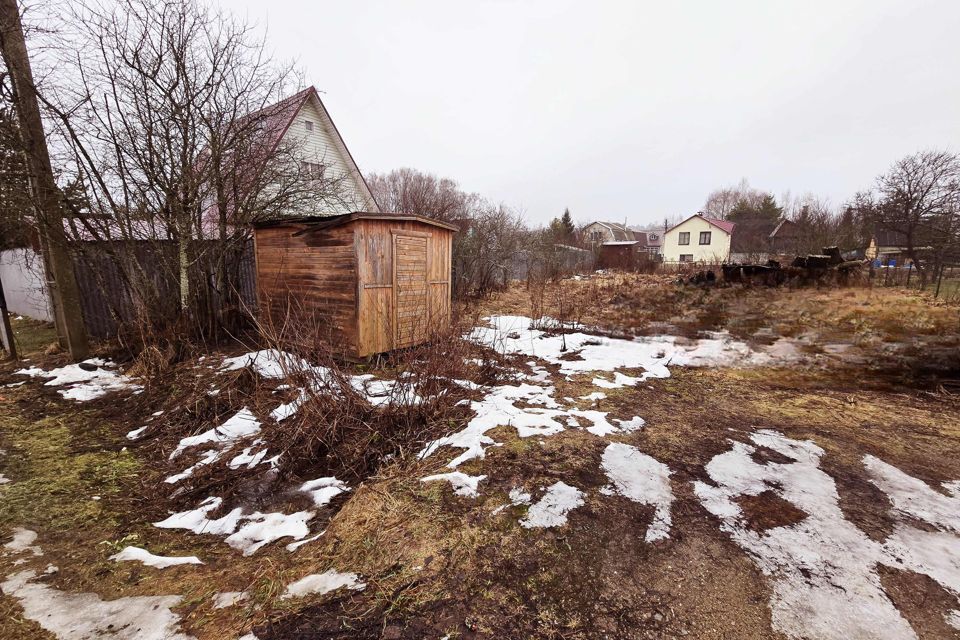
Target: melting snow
[
  {"x": 84, "y": 384},
  {"x": 912, "y": 497},
  {"x": 499, "y": 407},
  {"x": 196, "y": 520},
  {"x": 136, "y": 433},
  {"x": 250, "y": 460},
  {"x": 208, "y": 458},
  {"x": 293, "y": 546},
  {"x": 229, "y": 599},
  {"x": 245, "y": 532},
  {"x": 512, "y": 334},
  {"x": 642, "y": 479},
  {"x": 151, "y": 560},
  {"x": 86, "y": 615},
  {"x": 23, "y": 540},
  {"x": 323, "y": 490},
  {"x": 953, "y": 618},
  {"x": 268, "y": 363},
  {"x": 463, "y": 485},
  {"x": 325, "y": 582},
  {"x": 552, "y": 509},
  {"x": 825, "y": 583},
  {"x": 263, "y": 528},
  {"x": 240, "y": 425},
  {"x": 4, "y": 479}
]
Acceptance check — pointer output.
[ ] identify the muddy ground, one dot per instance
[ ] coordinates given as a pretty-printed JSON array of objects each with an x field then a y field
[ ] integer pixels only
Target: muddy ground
[{"x": 441, "y": 565}]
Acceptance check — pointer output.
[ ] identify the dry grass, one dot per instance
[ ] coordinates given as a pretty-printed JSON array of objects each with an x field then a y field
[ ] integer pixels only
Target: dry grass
[
  {"x": 644, "y": 304},
  {"x": 436, "y": 563}
]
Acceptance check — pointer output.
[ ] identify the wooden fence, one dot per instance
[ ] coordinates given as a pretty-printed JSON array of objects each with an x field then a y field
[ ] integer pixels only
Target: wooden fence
[{"x": 106, "y": 300}]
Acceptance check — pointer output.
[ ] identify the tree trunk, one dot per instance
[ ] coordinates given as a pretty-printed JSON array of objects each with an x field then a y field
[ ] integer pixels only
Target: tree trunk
[
  {"x": 184, "y": 261},
  {"x": 6, "y": 331},
  {"x": 64, "y": 290}
]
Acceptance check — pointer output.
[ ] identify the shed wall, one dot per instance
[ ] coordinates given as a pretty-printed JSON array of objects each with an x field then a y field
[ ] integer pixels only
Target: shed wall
[{"x": 313, "y": 276}]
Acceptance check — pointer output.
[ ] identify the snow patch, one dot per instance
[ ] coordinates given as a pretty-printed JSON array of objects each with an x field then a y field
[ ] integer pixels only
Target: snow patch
[
  {"x": 151, "y": 560},
  {"x": 513, "y": 334},
  {"x": 241, "y": 425},
  {"x": 293, "y": 546},
  {"x": 323, "y": 490},
  {"x": 23, "y": 540},
  {"x": 463, "y": 485},
  {"x": 86, "y": 615},
  {"x": 196, "y": 520},
  {"x": 319, "y": 583},
  {"x": 912, "y": 497},
  {"x": 87, "y": 380},
  {"x": 263, "y": 528},
  {"x": 229, "y": 599},
  {"x": 552, "y": 509},
  {"x": 823, "y": 568},
  {"x": 644, "y": 480}
]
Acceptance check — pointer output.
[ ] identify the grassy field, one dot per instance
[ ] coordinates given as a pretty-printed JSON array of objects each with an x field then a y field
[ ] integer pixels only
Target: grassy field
[{"x": 437, "y": 564}]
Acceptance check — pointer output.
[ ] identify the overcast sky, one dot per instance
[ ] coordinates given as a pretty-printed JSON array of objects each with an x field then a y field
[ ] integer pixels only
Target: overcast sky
[{"x": 629, "y": 110}]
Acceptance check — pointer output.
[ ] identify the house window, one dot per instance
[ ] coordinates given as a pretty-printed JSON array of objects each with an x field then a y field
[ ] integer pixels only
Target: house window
[
  {"x": 313, "y": 170},
  {"x": 308, "y": 124},
  {"x": 686, "y": 257},
  {"x": 684, "y": 237},
  {"x": 704, "y": 237}
]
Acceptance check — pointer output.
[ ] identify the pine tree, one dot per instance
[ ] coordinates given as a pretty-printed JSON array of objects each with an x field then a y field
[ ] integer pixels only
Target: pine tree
[{"x": 566, "y": 222}]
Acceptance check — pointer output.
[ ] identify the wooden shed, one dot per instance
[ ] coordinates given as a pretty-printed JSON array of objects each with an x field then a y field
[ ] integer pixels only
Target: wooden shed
[{"x": 372, "y": 282}]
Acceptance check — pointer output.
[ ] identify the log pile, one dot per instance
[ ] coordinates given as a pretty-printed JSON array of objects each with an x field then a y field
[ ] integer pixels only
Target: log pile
[{"x": 828, "y": 266}]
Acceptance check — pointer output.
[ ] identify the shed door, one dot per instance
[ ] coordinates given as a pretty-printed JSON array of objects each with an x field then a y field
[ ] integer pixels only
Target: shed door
[{"x": 410, "y": 309}]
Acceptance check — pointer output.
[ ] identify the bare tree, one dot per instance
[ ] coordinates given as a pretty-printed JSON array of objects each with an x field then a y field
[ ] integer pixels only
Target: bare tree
[
  {"x": 173, "y": 126},
  {"x": 722, "y": 202},
  {"x": 919, "y": 198},
  {"x": 488, "y": 245},
  {"x": 410, "y": 191}
]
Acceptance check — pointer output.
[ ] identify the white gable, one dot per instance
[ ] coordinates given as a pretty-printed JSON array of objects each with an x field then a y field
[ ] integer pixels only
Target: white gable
[{"x": 323, "y": 145}]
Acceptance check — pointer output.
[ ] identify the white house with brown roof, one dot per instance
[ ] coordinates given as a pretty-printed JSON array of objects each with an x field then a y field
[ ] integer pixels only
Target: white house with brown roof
[
  {"x": 301, "y": 126},
  {"x": 310, "y": 127},
  {"x": 698, "y": 239}
]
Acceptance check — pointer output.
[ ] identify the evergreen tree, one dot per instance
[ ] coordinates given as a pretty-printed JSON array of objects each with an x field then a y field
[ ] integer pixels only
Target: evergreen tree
[
  {"x": 566, "y": 221},
  {"x": 562, "y": 228}
]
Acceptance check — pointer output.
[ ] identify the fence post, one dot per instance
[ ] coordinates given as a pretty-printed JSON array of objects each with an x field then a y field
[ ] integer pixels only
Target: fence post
[{"x": 936, "y": 294}]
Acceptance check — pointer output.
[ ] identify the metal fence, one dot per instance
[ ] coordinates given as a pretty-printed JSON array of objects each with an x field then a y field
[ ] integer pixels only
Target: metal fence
[{"x": 942, "y": 282}]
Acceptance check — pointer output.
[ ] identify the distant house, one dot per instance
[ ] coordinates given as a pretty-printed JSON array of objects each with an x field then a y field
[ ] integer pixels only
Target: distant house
[
  {"x": 698, "y": 239},
  {"x": 596, "y": 233},
  {"x": 889, "y": 247},
  {"x": 301, "y": 122},
  {"x": 785, "y": 237},
  {"x": 654, "y": 242}
]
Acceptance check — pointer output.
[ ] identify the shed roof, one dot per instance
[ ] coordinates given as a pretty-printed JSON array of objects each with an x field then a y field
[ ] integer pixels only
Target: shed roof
[{"x": 326, "y": 222}]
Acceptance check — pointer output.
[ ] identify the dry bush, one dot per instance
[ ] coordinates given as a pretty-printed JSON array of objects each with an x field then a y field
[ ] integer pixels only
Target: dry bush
[{"x": 350, "y": 418}]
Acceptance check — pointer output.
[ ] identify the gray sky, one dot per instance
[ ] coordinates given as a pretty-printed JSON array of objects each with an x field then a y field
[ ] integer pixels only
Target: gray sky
[{"x": 629, "y": 110}]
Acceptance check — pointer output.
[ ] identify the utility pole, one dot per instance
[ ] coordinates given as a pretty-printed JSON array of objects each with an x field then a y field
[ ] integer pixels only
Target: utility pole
[{"x": 64, "y": 290}]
